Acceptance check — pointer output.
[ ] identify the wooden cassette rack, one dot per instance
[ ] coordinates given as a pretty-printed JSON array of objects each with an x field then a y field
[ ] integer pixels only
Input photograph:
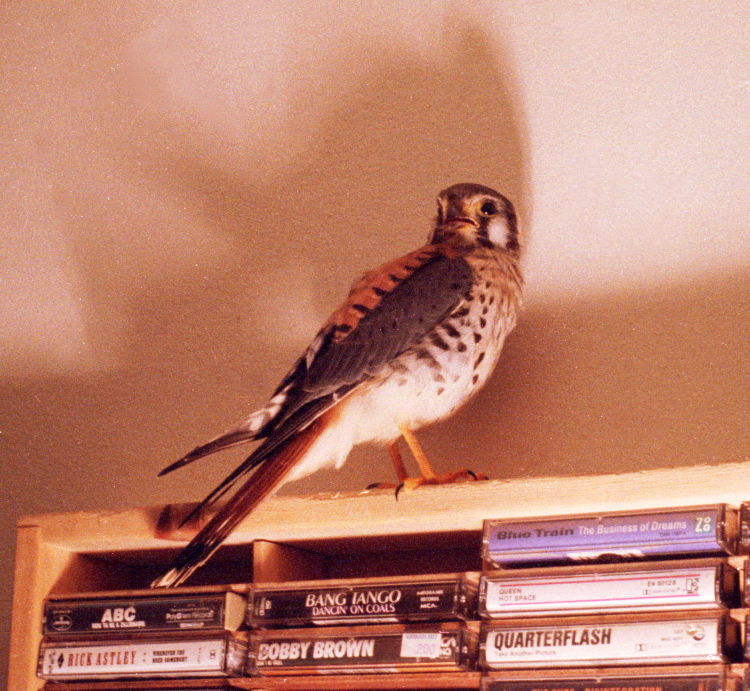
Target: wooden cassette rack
[{"x": 433, "y": 529}]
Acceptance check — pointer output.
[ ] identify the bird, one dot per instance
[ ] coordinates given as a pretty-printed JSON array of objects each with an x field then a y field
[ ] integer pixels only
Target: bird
[{"x": 412, "y": 342}]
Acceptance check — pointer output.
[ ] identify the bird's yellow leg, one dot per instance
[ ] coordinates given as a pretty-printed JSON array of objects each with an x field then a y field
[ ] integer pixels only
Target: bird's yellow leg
[
  {"x": 399, "y": 467},
  {"x": 429, "y": 476},
  {"x": 398, "y": 462},
  {"x": 425, "y": 467}
]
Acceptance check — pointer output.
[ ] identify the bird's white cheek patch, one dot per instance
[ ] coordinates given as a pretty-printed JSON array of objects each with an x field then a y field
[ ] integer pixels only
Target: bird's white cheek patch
[{"x": 497, "y": 231}]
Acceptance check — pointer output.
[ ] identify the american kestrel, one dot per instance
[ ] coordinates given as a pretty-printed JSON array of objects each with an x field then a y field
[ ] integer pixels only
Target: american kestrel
[{"x": 412, "y": 342}]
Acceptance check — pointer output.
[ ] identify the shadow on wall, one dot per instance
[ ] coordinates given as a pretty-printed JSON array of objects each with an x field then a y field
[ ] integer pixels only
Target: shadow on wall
[
  {"x": 191, "y": 352},
  {"x": 373, "y": 147},
  {"x": 621, "y": 383}
]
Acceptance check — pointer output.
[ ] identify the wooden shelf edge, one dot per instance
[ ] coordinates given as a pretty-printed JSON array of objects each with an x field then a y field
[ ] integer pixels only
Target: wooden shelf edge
[
  {"x": 398, "y": 681},
  {"x": 449, "y": 508},
  {"x": 322, "y": 682}
]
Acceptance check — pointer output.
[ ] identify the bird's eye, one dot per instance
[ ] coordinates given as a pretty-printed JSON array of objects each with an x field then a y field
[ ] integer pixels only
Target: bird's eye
[{"x": 488, "y": 208}]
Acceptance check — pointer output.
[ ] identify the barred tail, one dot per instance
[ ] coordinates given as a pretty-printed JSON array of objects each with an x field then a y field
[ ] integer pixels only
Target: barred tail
[{"x": 269, "y": 475}]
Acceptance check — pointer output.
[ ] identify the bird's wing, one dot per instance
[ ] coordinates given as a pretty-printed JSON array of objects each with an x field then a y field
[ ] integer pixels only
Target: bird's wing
[{"x": 386, "y": 311}]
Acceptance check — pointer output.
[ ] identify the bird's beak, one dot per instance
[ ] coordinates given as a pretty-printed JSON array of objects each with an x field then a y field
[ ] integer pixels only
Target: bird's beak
[
  {"x": 456, "y": 224},
  {"x": 455, "y": 215},
  {"x": 460, "y": 220},
  {"x": 459, "y": 231},
  {"x": 459, "y": 225}
]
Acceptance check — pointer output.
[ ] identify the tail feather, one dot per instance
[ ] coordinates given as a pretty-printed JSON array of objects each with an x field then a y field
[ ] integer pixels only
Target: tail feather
[
  {"x": 225, "y": 441},
  {"x": 269, "y": 475},
  {"x": 254, "y": 427},
  {"x": 292, "y": 426}
]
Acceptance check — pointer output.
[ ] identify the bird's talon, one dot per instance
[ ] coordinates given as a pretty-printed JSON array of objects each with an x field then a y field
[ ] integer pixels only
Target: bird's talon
[
  {"x": 476, "y": 476},
  {"x": 379, "y": 485},
  {"x": 463, "y": 475}
]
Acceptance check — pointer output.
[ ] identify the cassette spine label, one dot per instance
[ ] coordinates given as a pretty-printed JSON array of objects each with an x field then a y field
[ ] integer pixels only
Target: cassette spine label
[
  {"x": 382, "y": 603},
  {"x": 682, "y": 531},
  {"x": 673, "y": 588},
  {"x": 167, "y": 657},
  {"x": 297, "y": 652},
  {"x": 123, "y": 615},
  {"x": 653, "y": 641}
]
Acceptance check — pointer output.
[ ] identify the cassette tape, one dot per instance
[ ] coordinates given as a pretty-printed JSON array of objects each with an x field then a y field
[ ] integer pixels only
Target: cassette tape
[
  {"x": 444, "y": 647},
  {"x": 609, "y": 588},
  {"x": 609, "y": 640},
  {"x": 441, "y": 597},
  {"x": 169, "y": 656},
  {"x": 743, "y": 539},
  {"x": 144, "y": 611},
  {"x": 657, "y": 678},
  {"x": 697, "y": 531}
]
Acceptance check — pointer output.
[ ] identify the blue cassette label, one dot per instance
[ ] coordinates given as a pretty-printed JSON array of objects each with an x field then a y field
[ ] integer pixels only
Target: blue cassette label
[{"x": 693, "y": 531}]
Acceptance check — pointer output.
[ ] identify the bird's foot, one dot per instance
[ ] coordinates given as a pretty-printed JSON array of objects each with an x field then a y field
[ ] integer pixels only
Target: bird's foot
[{"x": 462, "y": 475}]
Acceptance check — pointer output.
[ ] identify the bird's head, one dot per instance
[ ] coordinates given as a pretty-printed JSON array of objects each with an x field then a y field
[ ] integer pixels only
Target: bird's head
[{"x": 470, "y": 215}]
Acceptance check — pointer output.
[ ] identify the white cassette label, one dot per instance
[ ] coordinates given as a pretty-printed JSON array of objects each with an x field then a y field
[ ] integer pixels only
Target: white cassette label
[
  {"x": 653, "y": 641},
  {"x": 126, "y": 658},
  {"x": 425, "y": 645},
  {"x": 604, "y": 592}
]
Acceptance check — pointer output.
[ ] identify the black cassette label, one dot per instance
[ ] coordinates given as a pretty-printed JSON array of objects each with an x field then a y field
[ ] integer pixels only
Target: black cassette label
[
  {"x": 134, "y": 615},
  {"x": 383, "y": 603},
  {"x": 358, "y": 651}
]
